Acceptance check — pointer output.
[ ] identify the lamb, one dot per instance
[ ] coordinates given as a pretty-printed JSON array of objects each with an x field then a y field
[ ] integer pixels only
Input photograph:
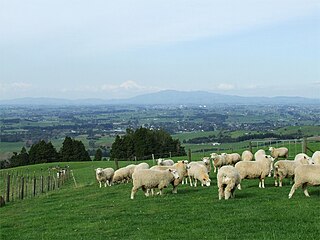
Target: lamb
[
  {"x": 104, "y": 175},
  {"x": 181, "y": 167},
  {"x": 228, "y": 179},
  {"x": 247, "y": 156},
  {"x": 150, "y": 178},
  {"x": 218, "y": 161},
  {"x": 163, "y": 162},
  {"x": 197, "y": 171},
  {"x": 285, "y": 168},
  {"x": 232, "y": 158},
  {"x": 279, "y": 152},
  {"x": 316, "y": 157},
  {"x": 305, "y": 175},
  {"x": 255, "y": 169}
]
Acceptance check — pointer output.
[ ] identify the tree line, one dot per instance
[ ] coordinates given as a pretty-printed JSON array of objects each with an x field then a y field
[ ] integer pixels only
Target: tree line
[
  {"x": 142, "y": 143},
  {"x": 45, "y": 152}
]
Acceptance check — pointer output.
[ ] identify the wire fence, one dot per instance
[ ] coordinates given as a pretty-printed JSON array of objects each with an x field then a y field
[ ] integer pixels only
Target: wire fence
[{"x": 15, "y": 185}]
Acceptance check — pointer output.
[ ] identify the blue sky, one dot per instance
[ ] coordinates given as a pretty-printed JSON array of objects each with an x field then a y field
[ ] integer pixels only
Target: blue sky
[{"x": 117, "y": 49}]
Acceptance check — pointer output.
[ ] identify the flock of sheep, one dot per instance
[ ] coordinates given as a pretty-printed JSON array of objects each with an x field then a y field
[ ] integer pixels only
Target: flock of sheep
[{"x": 232, "y": 168}]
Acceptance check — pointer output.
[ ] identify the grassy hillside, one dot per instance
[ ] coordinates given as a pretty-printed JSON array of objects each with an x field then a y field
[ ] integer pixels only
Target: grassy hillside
[{"x": 88, "y": 212}]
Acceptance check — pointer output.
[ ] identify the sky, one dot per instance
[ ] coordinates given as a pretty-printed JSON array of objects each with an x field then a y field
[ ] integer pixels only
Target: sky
[{"x": 118, "y": 49}]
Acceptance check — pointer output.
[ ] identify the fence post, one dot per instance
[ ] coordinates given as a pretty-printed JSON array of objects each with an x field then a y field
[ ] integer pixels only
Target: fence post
[
  {"x": 34, "y": 185},
  {"x": 8, "y": 189},
  {"x": 135, "y": 159},
  {"x": 22, "y": 187},
  {"x": 153, "y": 159},
  {"x": 189, "y": 155},
  {"x": 250, "y": 146},
  {"x": 48, "y": 189},
  {"x": 304, "y": 145},
  {"x": 116, "y": 163}
]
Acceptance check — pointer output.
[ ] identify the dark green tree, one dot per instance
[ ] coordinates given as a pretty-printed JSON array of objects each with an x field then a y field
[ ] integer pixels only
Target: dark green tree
[{"x": 98, "y": 155}]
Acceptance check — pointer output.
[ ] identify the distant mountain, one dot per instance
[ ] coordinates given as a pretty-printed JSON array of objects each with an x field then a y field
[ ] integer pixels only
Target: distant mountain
[
  {"x": 208, "y": 98},
  {"x": 168, "y": 97}
]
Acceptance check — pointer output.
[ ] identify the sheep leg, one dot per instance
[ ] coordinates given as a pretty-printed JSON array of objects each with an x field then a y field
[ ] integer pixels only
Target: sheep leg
[
  {"x": 239, "y": 186},
  {"x": 105, "y": 183},
  {"x": 100, "y": 183},
  {"x": 133, "y": 192},
  {"x": 215, "y": 169},
  {"x": 280, "y": 181},
  {"x": 305, "y": 190},
  {"x": 190, "y": 180},
  {"x": 227, "y": 194},
  {"x": 221, "y": 192},
  {"x": 195, "y": 182},
  {"x": 293, "y": 189},
  {"x": 262, "y": 180}
]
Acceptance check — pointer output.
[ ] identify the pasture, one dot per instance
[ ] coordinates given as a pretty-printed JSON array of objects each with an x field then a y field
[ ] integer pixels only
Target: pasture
[{"x": 88, "y": 212}]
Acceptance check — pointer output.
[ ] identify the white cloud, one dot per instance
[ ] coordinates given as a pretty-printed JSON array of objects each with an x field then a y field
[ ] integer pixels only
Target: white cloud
[
  {"x": 128, "y": 86},
  {"x": 225, "y": 86},
  {"x": 20, "y": 86}
]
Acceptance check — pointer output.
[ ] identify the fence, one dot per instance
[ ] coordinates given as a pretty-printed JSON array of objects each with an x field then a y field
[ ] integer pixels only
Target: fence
[{"x": 15, "y": 185}]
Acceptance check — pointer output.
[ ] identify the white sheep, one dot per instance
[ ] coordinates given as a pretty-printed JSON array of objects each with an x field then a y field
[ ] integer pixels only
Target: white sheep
[
  {"x": 141, "y": 166},
  {"x": 260, "y": 153},
  {"x": 197, "y": 171},
  {"x": 218, "y": 161},
  {"x": 279, "y": 152},
  {"x": 231, "y": 158},
  {"x": 181, "y": 167},
  {"x": 246, "y": 156},
  {"x": 228, "y": 179},
  {"x": 123, "y": 174},
  {"x": 165, "y": 162},
  {"x": 285, "y": 168},
  {"x": 104, "y": 175},
  {"x": 150, "y": 178},
  {"x": 316, "y": 157},
  {"x": 255, "y": 169},
  {"x": 305, "y": 175}
]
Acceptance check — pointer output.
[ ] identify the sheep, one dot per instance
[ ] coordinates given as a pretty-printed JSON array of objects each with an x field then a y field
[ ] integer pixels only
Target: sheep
[
  {"x": 285, "y": 168},
  {"x": 228, "y": 179},
  {"x": 181, "y": 167},
  {"x": 232, "y": 158},
  {"x": 141, "y": 166},
  {"x": 259, "y": 153},
  {"x": 246, "y": 156},
  {"x": 255, "y": 169},
  {"x": 104, "y": 175},
  {"x": 305, "y": 175},
  {"x": 218, "y": 161},
  {"x": 150, "y": 178},
  {"x": 122, "y": 174},
  {"x": 163, "y": 162},
  {"x": 197, "y": 171},
  {"x": 316, "y": 157},
  {"x": 279, "y": 152}
]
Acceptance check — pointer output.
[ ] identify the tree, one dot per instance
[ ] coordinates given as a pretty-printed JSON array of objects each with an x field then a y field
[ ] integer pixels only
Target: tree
[
  {"x": 143, "y": 142},
  {"x": 73, "y": 150},
  {"x": 98, "y": 155}
]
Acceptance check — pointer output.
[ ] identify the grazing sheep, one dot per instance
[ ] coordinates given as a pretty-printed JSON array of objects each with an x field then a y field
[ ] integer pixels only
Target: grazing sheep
[
  {"x": 218, "y": 161},
  {"x": 247, "y": 156},
  {"x": 259, "y": 154},
  {"x": 181, "y": 167},
  {"x": 149, "y": 179},
  {"x": 197, "y": 171},
  {"x": 122, "y": 175},
  {"x": 104, "y": 175},
  {"x": 163, "y": 162},
  {"x": 141, "y": 166},
  {"x": 285, "y": 168},
  {"x": 232, "y": 158},
  {"x": 305, "y": 175},
  {"x": 316, "y": 157},
  {"x": 279, "y": 152},
  {"x": 228, "y": 179},
  {"x": 255, "y": 169}
]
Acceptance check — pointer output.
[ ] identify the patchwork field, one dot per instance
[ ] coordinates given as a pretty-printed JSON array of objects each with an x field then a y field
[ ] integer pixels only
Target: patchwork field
[{"x": 88, "y": 212}]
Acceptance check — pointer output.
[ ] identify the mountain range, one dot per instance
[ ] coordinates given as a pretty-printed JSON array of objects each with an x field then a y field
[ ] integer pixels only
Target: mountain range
[{"x": 168, "y": 97}]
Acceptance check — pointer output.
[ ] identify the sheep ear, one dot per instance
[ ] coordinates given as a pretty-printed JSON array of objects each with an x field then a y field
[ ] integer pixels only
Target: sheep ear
[{"x": 170, "y": 170}]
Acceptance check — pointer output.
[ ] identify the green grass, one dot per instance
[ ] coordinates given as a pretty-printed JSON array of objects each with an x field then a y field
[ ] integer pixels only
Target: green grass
[{"x": 88, "y": 212}]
